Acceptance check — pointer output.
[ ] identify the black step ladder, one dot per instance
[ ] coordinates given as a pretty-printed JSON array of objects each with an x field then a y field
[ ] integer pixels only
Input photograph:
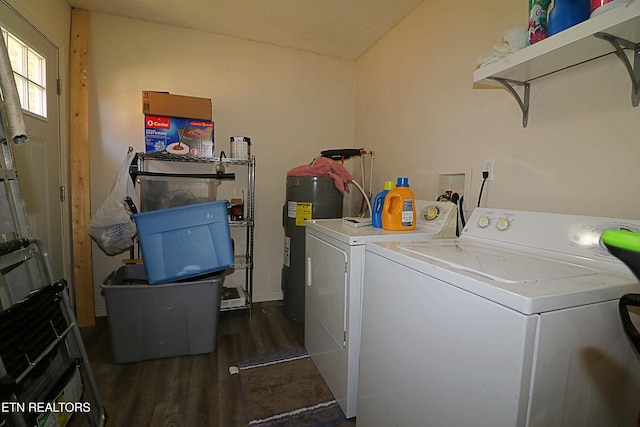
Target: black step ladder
[{"x": 44, "y": 368}]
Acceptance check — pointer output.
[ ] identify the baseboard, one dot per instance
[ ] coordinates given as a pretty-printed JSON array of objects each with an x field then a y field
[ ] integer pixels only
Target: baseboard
[{"x": 268, "y": 296}]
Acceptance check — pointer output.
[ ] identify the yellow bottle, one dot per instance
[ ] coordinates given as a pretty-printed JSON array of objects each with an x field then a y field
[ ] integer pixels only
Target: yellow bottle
[{"x": 399, "y": 210}]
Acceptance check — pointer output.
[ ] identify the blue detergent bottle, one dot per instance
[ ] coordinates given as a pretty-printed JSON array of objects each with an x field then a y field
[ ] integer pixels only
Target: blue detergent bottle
[
  {"x": 563, "y": 14},
  {"x": 378, "y": 203}
]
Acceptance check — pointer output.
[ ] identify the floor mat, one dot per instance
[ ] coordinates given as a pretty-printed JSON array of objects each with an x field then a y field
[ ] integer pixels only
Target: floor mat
[{"x": 284, "y": 388}]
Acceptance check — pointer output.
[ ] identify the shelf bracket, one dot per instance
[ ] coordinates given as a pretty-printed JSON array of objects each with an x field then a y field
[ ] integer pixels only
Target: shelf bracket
[
  {"x": 633, "y": 70},
  {"x": 523, "y": 101}
]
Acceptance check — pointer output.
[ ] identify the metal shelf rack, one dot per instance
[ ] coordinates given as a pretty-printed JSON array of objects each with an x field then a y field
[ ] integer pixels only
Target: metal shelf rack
[{"x": 142, "y": 165}]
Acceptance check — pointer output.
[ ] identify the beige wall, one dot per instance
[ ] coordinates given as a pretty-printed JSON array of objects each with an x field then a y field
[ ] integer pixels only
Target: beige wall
[
  {"x": 410, "y": 98},
  {"x": 292, "y": 104},
  {"x": 417, "y": 109}
]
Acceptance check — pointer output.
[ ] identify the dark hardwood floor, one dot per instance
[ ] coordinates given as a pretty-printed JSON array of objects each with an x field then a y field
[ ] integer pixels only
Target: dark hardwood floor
[{"x": 188, "y": 391}]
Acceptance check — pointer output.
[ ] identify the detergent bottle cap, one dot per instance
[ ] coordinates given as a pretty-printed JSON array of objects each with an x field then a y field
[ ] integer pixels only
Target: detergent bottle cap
[
  {"x": 389, "y": 185},
  {"x": 402, "y": 182}
]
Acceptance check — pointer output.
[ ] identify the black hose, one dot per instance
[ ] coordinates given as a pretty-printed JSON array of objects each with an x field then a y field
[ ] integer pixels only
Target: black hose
[
  {"x": 481, "y": 188},
  {"x": 462, "y": 220}
]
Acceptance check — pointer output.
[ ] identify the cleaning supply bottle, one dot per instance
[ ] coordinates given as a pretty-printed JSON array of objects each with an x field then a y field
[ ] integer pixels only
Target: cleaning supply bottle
[
  {"x": 566, "y": 13},
  {"x": 378, "y": 203},
  {"x": 399, "y": 209},
  {"x": 537, "y": 29}
]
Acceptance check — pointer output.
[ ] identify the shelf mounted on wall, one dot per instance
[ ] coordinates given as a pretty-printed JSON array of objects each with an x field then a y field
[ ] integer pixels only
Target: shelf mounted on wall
[
  {"x": 619, "y": 45},
  {"x": 614, "y": 31},
  {"x": 523, "y": 101}
]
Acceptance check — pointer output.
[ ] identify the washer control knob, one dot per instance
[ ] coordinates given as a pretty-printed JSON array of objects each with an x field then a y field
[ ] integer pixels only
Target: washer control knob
[
  {"x": 483, "y": 221},
  {"x": 503, "y": 224},
  {"x": 431, "y": 213}
]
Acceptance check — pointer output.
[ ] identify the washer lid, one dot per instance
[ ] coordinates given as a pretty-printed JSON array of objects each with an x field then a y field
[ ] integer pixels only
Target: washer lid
[
  {"x": 528, "y": 282},
  {"x": 506, "y": 266}
]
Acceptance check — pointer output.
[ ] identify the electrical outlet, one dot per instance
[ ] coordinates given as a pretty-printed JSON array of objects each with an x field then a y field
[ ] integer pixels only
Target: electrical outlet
[{"x": 487, "y": 166}]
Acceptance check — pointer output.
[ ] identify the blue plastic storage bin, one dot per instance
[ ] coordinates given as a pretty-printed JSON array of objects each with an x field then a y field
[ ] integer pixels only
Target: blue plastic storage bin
[{"x": 186, "y": 241}]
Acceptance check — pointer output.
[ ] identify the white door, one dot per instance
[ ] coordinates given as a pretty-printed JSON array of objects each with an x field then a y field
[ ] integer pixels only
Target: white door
[{"x": 38, "y": 161}]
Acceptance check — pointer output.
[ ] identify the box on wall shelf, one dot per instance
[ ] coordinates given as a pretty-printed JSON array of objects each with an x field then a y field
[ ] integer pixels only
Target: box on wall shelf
[
  {"x": 233, "y": 297},
  {"x": 169, "y": 105},
  {"x": 157, "y": 321},
  {"x": 179, "y": 136},
  {"x": 186, "y": 241}
]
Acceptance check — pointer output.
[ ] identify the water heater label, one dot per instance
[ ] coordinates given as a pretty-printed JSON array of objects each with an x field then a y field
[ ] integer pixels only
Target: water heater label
[
  {"x": 287, "y": 251},
  {"x": 303, "y": 213},
  {"x": 291, "y": 209}
]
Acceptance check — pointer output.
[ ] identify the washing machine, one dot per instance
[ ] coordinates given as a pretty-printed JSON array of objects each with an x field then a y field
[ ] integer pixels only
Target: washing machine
[
  {"x": 334, "y": 281},
  {"x": 513, "y": 324}
]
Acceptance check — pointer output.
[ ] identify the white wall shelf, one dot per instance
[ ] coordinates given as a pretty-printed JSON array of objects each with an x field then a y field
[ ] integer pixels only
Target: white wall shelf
[{"x": 610, "y": 32}]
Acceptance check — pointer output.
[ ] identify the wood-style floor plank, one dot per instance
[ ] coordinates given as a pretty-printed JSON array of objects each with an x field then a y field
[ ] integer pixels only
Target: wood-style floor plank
[{"x": 187, "y": 391}]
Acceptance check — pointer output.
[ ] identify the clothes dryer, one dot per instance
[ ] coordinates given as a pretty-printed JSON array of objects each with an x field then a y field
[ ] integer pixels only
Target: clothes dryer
[{"x": 334, "y": 282}]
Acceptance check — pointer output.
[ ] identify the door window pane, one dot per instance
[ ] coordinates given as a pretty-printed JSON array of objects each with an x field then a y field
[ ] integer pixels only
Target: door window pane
[{"x": 29, "y": 73}]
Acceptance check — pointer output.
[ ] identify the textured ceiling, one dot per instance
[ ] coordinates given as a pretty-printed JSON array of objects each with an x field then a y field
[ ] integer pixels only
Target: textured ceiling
[{"x": 339, "y": 28}]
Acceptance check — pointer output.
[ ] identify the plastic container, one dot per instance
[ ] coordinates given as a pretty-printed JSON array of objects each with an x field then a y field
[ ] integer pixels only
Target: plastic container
[
  {"x": 240, "y": 147},
  {"x": 162, "y": 192},
  {"x": 566, "y": 13},
  {"x": 601, "y": 6},
  {"x": 183, "y": 242},
  {"x": 399, "y": 209},
  {"x": 152, "y": 322},
  {"x": 537, "y": 28},
  {"x": 378, "y": 203}
]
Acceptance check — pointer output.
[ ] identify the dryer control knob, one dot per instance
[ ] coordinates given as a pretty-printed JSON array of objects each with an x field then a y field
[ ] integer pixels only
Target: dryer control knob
[
  {"x": 483, "y": 221},
  {"x": 503, "y": 224}
]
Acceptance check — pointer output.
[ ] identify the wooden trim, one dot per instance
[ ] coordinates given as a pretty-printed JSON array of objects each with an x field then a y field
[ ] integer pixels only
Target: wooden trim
[{"x": 80, "y": 170}]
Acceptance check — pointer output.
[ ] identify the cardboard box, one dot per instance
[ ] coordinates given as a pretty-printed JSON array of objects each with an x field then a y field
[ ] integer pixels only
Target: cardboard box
[
  {"x": 176, "y": 135},
  {"x": 166, "y": 104},
  {"x": 67, "y": 389},
  {"x": 232, "y": 298}
]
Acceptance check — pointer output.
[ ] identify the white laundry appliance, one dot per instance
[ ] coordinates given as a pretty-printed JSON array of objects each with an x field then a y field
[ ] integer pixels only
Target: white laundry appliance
[
  {"x": 513, "y": 324},
  {"x": 333, "y": 296}
]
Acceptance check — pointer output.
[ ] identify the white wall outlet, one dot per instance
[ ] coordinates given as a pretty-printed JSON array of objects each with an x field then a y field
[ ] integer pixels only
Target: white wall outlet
[{"x": 487, "y": 166}]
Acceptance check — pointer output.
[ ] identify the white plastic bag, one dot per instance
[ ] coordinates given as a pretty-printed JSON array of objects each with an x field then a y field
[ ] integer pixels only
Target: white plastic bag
[
  {"x": 513, "y": 40},
  {"x": 112, "y": 227}
]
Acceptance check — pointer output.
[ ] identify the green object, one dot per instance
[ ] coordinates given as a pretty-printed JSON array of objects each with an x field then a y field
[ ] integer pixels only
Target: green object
[
  {"x": 625, "y": 245},
  {"x": 622, "y": 239}
]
